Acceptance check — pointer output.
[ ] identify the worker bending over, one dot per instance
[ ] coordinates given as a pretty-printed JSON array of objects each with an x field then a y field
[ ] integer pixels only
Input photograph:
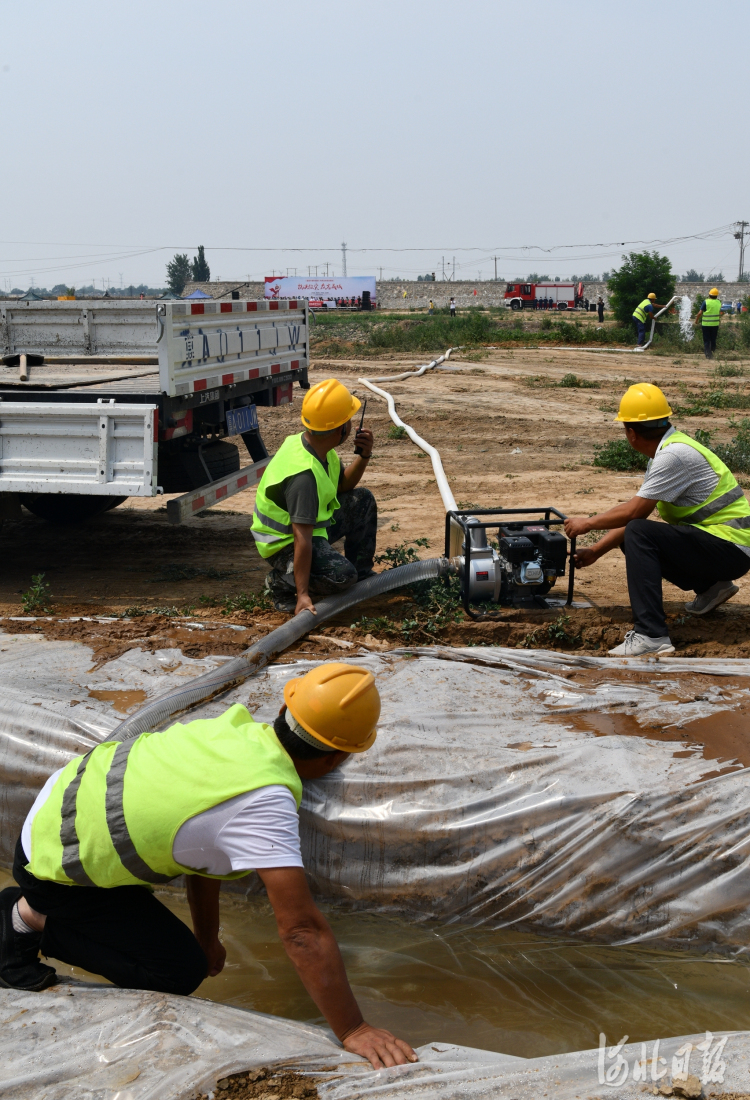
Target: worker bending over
[
  {"x": 305, "y": 502},
  {"x": 212, "y": 800},
  {"x": 708, "y": 317},
  {"x": 704, "y": 543},
  {"x": 642, "y": 313}
]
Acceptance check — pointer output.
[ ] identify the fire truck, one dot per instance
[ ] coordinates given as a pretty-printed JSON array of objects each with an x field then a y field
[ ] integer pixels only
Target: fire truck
[{"x": 555, "y": 295}]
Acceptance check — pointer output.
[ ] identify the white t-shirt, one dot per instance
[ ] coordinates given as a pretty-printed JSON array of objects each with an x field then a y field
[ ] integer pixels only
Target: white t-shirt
[{"x": 252, "y": 831}]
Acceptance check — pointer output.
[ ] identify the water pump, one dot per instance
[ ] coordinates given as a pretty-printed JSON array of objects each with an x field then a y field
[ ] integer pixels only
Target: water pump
[{"x": 519, "y": 565}]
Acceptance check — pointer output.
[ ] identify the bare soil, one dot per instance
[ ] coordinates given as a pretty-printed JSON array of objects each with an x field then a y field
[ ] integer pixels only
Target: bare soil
[
  {"x": 266, "y": 1083},
  {"x": 509, "y": 435}
]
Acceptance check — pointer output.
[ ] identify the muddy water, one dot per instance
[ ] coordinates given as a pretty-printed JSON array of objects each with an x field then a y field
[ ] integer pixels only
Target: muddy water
[
  {"x": 723, "y": 736},
  {"x": 122, "y": 701},
  {"x": 500, "y": 990}
]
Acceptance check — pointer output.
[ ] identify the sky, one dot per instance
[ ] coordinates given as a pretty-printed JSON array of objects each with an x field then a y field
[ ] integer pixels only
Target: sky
[{"x": 417, "y": 131}]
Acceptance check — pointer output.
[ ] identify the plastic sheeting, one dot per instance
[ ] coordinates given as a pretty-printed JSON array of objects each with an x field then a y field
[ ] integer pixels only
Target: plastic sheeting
[
  {"x": 481, "y": 801},
  {"x": 76, "y": 1042}
]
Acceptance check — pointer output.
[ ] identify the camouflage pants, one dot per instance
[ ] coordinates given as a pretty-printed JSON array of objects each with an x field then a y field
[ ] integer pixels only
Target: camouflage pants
[{"x": 356, "y": 522}]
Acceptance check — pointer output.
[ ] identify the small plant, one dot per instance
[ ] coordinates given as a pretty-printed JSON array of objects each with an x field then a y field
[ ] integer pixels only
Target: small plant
[
  {"x": 584, "y": 492},
  {"x": 395, "y": 527},
  {"x": 726, "y": 370},
  {"x": 402, "y": 554},
  {"x": 619, "y": 455},
  {"x": 396, "y": 432},
  {"x": 244, "y": 601},
  {"x": 556, "y": 632},
  {"x": 572, "y": 381},
  {"x": 38, "y": 598}
]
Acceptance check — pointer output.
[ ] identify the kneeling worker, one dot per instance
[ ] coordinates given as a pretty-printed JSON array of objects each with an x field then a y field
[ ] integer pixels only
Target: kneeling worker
[
  {"x": 704, "y": 545},
  {"x": 303, "y": 486},
  {"x": 212, "y": 800}
]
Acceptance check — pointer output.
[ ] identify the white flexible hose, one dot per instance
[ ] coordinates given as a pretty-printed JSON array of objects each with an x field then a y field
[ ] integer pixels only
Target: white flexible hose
[{"x": 449, "y": 501}]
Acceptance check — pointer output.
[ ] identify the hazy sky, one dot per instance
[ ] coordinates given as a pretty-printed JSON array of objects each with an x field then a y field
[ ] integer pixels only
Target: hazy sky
[{"x": 416, "y": 129}]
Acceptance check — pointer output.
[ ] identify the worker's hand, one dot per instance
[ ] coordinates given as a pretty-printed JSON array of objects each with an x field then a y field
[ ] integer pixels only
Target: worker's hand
[
  {"x": 575, "y": 526},
  {"x": 216, "y": 954},
  {"x": 304, "y": 603},
  {"x": 587, "y": 555},
  {"x": 379, "y": 1046},
  {"x": 365, "y": 441}
]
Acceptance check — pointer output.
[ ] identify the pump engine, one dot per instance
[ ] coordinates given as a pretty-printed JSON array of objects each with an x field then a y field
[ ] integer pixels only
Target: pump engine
[{"x": 519, "y": 565}]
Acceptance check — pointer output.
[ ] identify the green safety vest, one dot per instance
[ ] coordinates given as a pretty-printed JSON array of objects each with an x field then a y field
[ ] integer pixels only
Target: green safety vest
[
  {"x": 725, "y": 513},
  {"x": 272, "y": 527},
  {"x": 711, "y": 312},
  {"x": 639, "y": 312},
  {"x": 112, "y": 815}
]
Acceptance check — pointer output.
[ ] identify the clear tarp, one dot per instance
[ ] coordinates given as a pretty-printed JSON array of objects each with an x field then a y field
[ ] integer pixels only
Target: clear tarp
[
  {"x": 506, "y": 787},
  {"x": 76, "y": 1042}
]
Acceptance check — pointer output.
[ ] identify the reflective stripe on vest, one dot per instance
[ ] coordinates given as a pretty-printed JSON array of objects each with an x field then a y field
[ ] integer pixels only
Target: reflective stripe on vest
[
  {"x": 272, "y": 526},
  {"x": 725, "y": 513},
  {"x": 112, "y": 815},
  {"x": 640, "y": 312},
  {"x": 711, "y": 313}
]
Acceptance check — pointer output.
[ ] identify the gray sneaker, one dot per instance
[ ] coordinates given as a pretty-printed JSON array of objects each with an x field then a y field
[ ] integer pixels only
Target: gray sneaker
[
  {"x": 717, "y": 594},
  {"x": 638, "y": 645}
]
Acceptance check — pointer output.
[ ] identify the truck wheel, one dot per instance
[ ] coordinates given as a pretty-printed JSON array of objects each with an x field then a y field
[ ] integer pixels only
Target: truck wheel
[
  {"x": 515, "y": 304},
  {"x": 67, "y": 507},
  {"x": 182, "y": 471}
]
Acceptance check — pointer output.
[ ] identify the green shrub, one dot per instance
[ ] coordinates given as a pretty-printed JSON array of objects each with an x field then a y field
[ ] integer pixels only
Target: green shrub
[
  {"x": 640, "y": 274},
  {"x": 572, "y": 381},
  {"x": 619, "y": 455},
  {"x": 396, "y": 432},
  {"x": 37, "y": 601},
  {"x": 735, "y": 454}
]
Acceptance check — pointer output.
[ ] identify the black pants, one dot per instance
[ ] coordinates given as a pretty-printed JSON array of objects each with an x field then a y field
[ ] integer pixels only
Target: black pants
[
  {"x": 124, "y": 934},
  {"x": 600, "y": 311},
  {"x": 683, "y": 555},
  {"x": 356, "y": 522},
  {"x": 710, "y": 332}
]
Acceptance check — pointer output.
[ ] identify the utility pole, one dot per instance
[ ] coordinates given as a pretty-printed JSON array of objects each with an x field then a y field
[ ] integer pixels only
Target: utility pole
[
  {"x": 453, "y": 276},
  {"x": 495, "y": 268},
  {"x": 326, "y": 269},
  {"x": 343, "y": 259},
  {"x": 442, "y": 260},
  {"x": 381, "y": 274},
  {"x": 740, "y": 236}
]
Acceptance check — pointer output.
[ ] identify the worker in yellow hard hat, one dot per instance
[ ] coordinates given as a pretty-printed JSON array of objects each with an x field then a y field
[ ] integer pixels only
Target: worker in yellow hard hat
[
  {"x": 644, "y": 313},
  {"x": 709, "y": 315},
  {"x": 306, "y": 502},
  {"x": 212, "y": 799},
  {"x": 704, "y": 543}
]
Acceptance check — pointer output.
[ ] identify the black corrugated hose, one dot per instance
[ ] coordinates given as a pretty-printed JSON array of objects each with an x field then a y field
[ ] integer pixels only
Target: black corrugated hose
[{"x": 231, "y": 673}]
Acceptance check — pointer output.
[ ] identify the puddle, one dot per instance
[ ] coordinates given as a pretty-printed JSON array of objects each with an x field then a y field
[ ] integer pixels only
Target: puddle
[
  {"x": 723, "y": 736},
  {"x": 122, "y": 701},
  {"x": 505, "y": 990}
]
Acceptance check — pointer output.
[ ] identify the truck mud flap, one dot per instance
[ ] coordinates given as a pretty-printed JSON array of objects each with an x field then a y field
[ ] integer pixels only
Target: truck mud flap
[{"x": 189, "y": 504}]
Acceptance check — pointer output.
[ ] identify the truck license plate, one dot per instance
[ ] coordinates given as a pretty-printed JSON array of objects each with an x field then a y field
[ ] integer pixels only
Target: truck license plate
[{"x": 242, "y": 420}]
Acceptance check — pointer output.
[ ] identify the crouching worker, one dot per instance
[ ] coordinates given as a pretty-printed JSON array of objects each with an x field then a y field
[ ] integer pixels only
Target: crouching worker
[
  {"x": 704, "y": 543},
  {"x": 305, "y": 502},
  {"x": 212, "y": 800}
]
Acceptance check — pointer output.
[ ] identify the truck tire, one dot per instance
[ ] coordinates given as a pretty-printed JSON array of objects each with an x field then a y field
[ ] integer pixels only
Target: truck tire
[
  {"x": 183, "y": 471},
  {"x": 67, "y": 507},
  {"x": 515, "y": 304}
]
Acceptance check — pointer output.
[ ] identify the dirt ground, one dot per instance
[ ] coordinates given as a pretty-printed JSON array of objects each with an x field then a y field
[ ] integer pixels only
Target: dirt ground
[{"x": 508, "y": 434}]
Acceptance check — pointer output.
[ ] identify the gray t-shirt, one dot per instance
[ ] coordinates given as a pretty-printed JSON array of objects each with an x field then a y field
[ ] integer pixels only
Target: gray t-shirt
[
  {"x": 298, "y": 493},
  {"x": 679, "y": 475}
]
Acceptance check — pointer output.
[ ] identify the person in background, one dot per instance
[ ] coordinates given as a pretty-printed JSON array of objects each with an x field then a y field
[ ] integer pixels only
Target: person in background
[
  {"x": 710, "y": 311},
  {"x": 642, "y": 313},
  {"x": 431, "y": 310},
  {"x": 600, "y": 309},
  {"x": 453, "y": 307}
]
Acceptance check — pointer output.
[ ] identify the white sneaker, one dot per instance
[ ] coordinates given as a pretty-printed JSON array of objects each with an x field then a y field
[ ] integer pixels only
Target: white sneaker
[
  {"x": 638, "y": 645},
  {"x": 717, "y": 594}
]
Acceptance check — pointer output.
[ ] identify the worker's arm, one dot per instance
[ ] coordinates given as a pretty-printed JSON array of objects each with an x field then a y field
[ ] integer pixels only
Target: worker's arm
[
  {"x": 311, "y": 946},
  {"x": 698, "y": 316},
  {"x": 587, "y": 555},
  {"x": 303, "y": 534},
  {"x": 619, "y": 516},
  {"x": 203, "y": 899},
  {"x": 352, "y": 475}
]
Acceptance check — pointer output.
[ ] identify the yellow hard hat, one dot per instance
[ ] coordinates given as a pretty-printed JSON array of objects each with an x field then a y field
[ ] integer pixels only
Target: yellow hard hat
[
  {"x": 643, "y": 402},
  {"x": 714, "y": 292},
  {"x": 338, "y": 704},
  {"x": 328, "y": 405},
  {"x": 651, "y": 295}
]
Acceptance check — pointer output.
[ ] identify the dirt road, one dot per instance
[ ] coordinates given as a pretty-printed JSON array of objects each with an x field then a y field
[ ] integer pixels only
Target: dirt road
[{"x": 509, "y": 435}]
